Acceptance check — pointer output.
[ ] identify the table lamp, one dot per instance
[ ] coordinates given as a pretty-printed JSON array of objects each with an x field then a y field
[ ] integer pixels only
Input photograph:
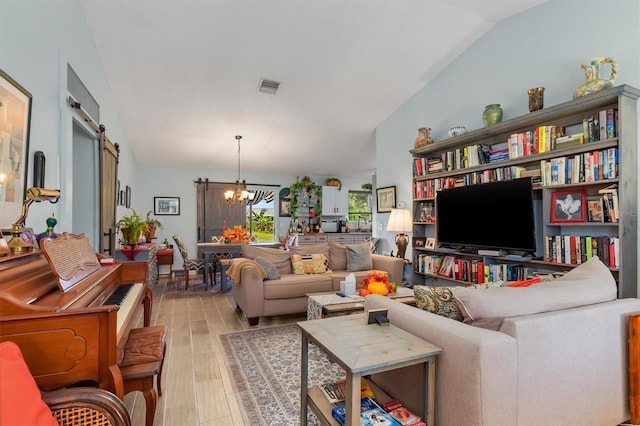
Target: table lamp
[
  {"x": 17, "y": 245},
  {"x": 400, "y": 221}
]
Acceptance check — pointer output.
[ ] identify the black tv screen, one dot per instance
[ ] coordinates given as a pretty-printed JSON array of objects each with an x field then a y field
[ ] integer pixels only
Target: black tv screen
[{"x": 496, "y": 215}]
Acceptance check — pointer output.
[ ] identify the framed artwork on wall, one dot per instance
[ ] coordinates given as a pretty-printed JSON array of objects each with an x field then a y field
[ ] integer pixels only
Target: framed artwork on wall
[
  {"x": 568, "y": 206},
  {"x": 166, "y": 206},
  {"x": 386, "y": 199},
  {"x": 128, "y": 197},
  {"x": 15, "y": 120}
]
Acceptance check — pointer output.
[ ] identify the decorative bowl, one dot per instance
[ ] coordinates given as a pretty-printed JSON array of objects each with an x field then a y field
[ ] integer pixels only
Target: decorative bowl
[{"x": 458, "y": 130}]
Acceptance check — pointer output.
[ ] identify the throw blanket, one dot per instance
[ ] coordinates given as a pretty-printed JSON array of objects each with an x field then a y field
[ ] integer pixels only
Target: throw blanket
[{"x": 234, "y": 270}]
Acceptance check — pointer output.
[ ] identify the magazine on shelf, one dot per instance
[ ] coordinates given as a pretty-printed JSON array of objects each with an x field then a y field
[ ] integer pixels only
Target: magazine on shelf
[
  {"x": 371, "y": 414},
  {"x": 402, "y": 414},
  {"x": 335, "y": 391}
]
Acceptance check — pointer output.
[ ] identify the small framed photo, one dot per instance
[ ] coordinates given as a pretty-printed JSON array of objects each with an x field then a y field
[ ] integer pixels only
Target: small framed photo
[
  {"x": 594, "y": 210},
  {"x": 446, "y": 266},
  {"x": 4, "y": 245},
  {"x": 166, "y": 206},
  {"x": 431, "y": 243},
  {"x": 285, "y": 207},
  {"x": 419, "y": 242},
  {"x": 28, "y": 237},
  {"x": 386, "y": 198},
  {"x": 568, "y": 206},
  {"x": 128, "y": 197}
]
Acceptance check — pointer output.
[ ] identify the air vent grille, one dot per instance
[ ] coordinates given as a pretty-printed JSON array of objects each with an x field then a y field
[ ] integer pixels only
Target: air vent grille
[{"x": 268, "y": 86}]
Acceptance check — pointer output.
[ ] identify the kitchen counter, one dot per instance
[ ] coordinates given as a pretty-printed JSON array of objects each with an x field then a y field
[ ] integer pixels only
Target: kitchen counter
[{"x": 339, "y": 237}]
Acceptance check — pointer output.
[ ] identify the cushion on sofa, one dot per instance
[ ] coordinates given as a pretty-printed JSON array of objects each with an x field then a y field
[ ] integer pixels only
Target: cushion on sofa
[
  {"x": 359, "y": 257},
  {"x": 437, "y": 300},
  {"x": 310, "y": 263},
  {"x": 337, "y": 256},
  {"x": 279, "y": 258},
  {"x": 20, "y": 401},
  {"x": 269, "y": 268},
  {"x": 311, "y": 249},
  {"x": 586, "y": 284}
]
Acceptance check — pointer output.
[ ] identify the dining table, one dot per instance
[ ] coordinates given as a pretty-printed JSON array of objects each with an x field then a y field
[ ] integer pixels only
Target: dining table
[{"x": 222, "y": 250}]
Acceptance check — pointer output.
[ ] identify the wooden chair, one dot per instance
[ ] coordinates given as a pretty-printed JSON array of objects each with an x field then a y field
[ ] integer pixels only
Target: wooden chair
[
  {"x": 143, "y": 360},
  {"x": 85, "y": 406},
  {"x": 188, "y": 264}
]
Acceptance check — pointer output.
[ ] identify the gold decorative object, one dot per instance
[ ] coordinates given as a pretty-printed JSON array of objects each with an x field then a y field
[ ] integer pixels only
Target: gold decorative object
[
  {"x": 17, "y": 244},
  {"x": 536, "y": 98}
]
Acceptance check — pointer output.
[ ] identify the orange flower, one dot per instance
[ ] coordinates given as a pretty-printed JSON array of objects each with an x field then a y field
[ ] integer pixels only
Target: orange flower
[{"x": 236, "y": 234}]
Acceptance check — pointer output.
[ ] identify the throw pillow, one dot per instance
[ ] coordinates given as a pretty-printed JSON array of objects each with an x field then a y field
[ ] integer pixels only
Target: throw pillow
[
  {"x": 310, "y": 263},
  {"x": 359, "y": 257},
  {"x": 269, "y": 268},
  {"x": 279, "y": 258},
  {"x": 437, "y": 300},
  {"x": 337, "y": 256},
  {"x": 20, "y": 401}
]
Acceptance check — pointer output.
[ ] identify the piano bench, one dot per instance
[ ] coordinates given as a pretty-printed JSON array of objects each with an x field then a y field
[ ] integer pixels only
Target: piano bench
[{"x": 143, "y": 359}]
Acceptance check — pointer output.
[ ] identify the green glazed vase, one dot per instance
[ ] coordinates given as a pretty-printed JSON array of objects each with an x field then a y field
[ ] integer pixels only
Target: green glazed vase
[{"x": 492, "y": 114}]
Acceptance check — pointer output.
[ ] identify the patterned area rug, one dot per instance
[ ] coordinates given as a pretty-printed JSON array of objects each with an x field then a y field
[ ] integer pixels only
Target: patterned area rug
[{"x": 265, "y": 364}]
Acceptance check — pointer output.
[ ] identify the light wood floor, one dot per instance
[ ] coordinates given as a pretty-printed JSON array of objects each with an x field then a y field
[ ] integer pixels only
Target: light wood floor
[{"x": 197, "y": 388}]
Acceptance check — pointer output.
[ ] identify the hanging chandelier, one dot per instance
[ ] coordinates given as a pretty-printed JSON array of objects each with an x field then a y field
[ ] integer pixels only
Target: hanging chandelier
[{"x": 240, "y": 193}]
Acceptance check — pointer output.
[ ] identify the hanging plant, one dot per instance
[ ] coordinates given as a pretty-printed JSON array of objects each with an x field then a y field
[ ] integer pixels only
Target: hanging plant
[{"x": 333, "y": 181}]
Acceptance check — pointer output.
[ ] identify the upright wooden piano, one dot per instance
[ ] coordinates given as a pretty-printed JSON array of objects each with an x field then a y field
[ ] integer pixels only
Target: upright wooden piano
[{"x": 76, "y": 335}]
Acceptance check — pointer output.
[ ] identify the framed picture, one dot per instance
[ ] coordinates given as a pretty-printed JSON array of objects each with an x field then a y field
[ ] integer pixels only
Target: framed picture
[
  {"x": 446, "y": 266},
  {"x": 424, "y": 211},
  {"x": 285, "y": 207},
  {"x": 594, "y": 210},
  {"x": 419, "y": 242},
  {"x": 128, "y": 197},
  {"x": 28, "y": 237},
  {"x": 122, "y": 199},
  {"x": 15, "y": 120},
  {"x": 166, "y": 206},
  {"x": 386, "y": 199},
  {"x": 568, "y": 206},
  {"x": 430, "y": 243}
]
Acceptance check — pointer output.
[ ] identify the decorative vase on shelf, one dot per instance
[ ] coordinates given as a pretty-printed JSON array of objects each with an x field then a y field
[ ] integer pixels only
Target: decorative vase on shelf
[
  {"x": 49, "y": 233},
  {"x": 492, "y": 114},
  {"x": 593, "y": 81},
  {"x": 424, "y": 137}
]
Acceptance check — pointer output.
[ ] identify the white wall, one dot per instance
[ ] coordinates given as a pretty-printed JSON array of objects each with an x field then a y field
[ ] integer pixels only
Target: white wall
[{"x": 541, "y": 47}]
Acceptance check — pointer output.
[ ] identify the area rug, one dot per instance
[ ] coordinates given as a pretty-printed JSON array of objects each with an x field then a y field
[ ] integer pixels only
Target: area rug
[{"x": 265, "y": 365}]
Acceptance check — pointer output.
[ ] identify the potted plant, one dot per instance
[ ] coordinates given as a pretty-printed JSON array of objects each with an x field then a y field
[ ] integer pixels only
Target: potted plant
[
  {"x": 152, "y": 225},
  {"x": 306, "y": 181},
  {"x": 334, "y": 181},
  {"x": 367, "y": 186},
  {"x": 133, "y": 228}
]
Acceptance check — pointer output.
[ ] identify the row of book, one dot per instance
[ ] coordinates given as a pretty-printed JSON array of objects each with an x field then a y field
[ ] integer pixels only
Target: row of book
[
  {"x": 428, "y": 188},
  {"x": 392, "y": 413},
  {"x": 584, "y": 167},
  {"x": 576, "y": 249},
  {"x": 473, "y": 271},
  {"x": 600, "y": 126}
]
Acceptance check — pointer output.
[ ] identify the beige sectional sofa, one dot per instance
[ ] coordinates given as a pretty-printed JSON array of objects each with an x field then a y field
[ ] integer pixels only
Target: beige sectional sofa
[
  {"x": 562, "y": 361},
  {"x": 258, "y": 297}
]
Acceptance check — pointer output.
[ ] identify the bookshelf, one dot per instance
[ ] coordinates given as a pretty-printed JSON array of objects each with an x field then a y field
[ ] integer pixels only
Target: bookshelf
[{"x": 585, "y": 148}]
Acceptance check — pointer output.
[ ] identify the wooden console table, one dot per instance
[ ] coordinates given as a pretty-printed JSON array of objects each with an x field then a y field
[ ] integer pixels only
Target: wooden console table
[{"x": 347, "y": 341}]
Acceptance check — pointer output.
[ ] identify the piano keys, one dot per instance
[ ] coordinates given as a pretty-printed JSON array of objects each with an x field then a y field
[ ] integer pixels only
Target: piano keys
[{"x": 71, "y": 336}]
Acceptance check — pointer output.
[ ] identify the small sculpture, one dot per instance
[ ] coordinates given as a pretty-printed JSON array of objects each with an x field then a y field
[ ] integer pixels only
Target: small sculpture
[
  {"x": 593, "y": 81},
  {"x": 49, "y": 233},
  {"x": 424, "y": 137}
]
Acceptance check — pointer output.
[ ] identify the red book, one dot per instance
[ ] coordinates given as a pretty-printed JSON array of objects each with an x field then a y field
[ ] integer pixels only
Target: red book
[{"x": 402, "y": 414}]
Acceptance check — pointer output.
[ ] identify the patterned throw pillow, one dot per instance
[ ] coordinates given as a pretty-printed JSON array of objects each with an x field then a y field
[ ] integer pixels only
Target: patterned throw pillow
[
  {"x": 437, "y": 300},
  {"x": 441, "y": 301},
  {"x": 269, "y": 268},
  {"x": 310, "y": 263}
]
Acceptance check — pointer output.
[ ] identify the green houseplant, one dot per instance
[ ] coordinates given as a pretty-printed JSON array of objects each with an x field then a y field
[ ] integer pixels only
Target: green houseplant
[
  {"x": 334, "y": 181},
  {"x": 152, "y": 225},
  {"x": 133, "y": 227}
]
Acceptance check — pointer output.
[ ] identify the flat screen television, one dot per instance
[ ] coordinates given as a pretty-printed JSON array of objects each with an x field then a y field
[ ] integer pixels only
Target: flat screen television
[{"x": 495, "y": 215}]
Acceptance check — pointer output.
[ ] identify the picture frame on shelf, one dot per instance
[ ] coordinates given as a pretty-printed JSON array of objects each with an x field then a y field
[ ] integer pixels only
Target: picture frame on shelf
[
  {"x": 430, "y": 243},
  {"x": 15, "y": 115},
  {"x": 166, "y": 206},
  {"x": 568, "y": 206},
  {"x": 594, "y": 210},
  {"x": 424, "y": 211},
  {"x": 419, "y": 242},
  {"x": 29, "y": 237},
  {"x": 446, "y": 266},
  {"x": 386, "y": 199}
]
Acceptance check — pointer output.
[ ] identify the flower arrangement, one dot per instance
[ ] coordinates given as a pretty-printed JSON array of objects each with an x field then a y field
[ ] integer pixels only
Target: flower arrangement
[
  {"x": 377, "y": 283},
  {"x": 236, "y": 234}
]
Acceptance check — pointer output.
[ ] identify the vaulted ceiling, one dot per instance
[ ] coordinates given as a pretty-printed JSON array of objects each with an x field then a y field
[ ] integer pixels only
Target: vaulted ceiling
[{"x": 185, "y": 74}]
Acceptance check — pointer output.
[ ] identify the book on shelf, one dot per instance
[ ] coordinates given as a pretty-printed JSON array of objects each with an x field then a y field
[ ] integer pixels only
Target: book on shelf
[
  {"x": 402, "y": 414},
  {"x": 371, "y": 414},
  {"x": 335, "y": 391}
]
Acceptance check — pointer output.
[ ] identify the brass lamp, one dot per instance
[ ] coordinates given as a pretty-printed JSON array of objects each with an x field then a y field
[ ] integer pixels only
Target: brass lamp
[
  {"x": 400, "y": 221},
  {"x": 17, "y": 244}
]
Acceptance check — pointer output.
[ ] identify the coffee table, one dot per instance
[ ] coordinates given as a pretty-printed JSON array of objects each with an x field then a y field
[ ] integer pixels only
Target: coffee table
[
  {"x": 362, "y": 350},
  {"x": 330, "y": 304}
]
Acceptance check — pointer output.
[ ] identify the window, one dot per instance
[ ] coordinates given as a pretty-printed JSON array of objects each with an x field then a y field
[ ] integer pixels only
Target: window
[
  {"x": 260, "y": 220},
  {"x": 360, "y": 206}
]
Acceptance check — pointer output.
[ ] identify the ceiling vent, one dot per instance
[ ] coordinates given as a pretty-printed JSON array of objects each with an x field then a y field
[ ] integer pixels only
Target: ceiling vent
[{"x": 268, "y": 86}]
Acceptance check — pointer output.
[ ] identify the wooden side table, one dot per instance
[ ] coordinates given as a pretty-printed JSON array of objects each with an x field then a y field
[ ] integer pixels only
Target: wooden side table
[
  {"x": 165, "y": 257},
  {"x": 361, "y": 350}
]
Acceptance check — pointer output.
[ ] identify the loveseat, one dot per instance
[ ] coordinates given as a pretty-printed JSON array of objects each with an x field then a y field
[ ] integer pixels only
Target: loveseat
[
  {"x": 554, "y": 353},
  {"x": 322, "y": 267}
]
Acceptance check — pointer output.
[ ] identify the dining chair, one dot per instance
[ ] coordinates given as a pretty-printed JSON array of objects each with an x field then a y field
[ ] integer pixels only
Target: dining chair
[
  {"x": 219, "y": 262},
  {"x": 189, "y": 264}
]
